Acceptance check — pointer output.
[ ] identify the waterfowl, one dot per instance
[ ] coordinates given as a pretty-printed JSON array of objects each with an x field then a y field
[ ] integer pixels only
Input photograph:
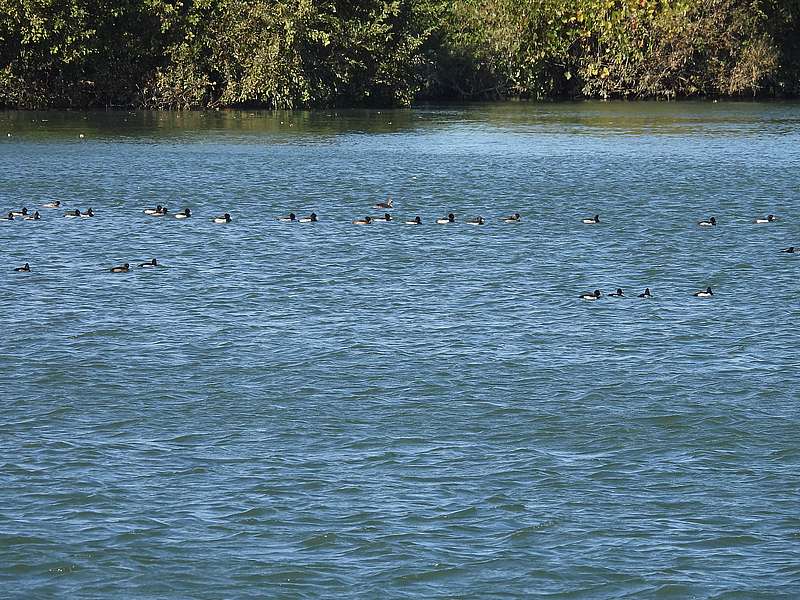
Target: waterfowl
[
  {"x": 226, "y": 218},
  {"x": 451, "y": 218},
  {"x": 769, "y": 219},
  {"x": 710, "y": 223},
  {"x": 388, "y": 204},
  {"x": 364, "y": 221},
  {"x": 617, "y": 294},
  {"x": 20, "y": 213},
  {"x": 386, "y": 218},
  {"x": 707, "y": 293},
  {"x": 153, "y": 211},
  {"x": 312, "y": 218},
  {"x": 150, "y": 263},
  {"x": 88, "y": 213},
  {"x": 56, "y": 204},
  {"x": 646, "y": 293},
  {"x": 184, "y": 215},
  {"x": 790, "y": 250},
  {"x": 162, "y": 213},
  {"x": 593, "y": 221},
  {"x": 34, "y": 217},
  {"x": 476, "y": 221},
  {"x": 23, "y": 269},
  {"x": 288, "y": 219},
  {"x": 593, "y": 296},
  {"x": 515, "y": 218},
  {"x": 121, "y": 269},
  {"x": 73, "y": 213},
  {"x": 415, "y": 221}
]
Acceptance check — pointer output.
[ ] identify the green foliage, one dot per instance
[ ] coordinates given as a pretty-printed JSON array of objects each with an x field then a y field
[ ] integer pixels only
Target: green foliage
[{"x": 182, "y": 54}]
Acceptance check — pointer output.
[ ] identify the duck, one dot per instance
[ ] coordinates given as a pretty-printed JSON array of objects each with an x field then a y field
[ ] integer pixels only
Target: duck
[
  {"x": 87, "y": 214},
  {"x": 73, "y": 213},
  {"x": 34, "y": 217},
  {"x": 593, "y": 221},
  {"x": 226, "y": 218},
  {"x": 593, "y": 296},
  {"x": 364, "y": 221},
  {"x": 646, "y": 293},
  {"x": 20, "y": 213},
  {"x": 769, "y": 219},
  {"x": 185, "y": 214},
  {"x": 56, "y": 204},
  {"x": 515, "y": 218},
  {"x": 450, "y": 218},
  {"x": 26, "y": 268},
  {"x": 706, "y": 293},
  {"x": 312, "y": 218},
  {"x": 617, "y": 294},
  {"x": 415, "y": 221},
  {"x": 386, "y": 218},
  {"x": 710, "y": 223},
  {"x": 790, "y": 250},
  {"x": 476, "y": 221},
  {"x": 121, "y": 269},
  {"x": 388, "y": 204},
  {"x": 153, "y": 211},
  {"x": 162, "y": 213},
  {"x": 290, "y": 218},
  {"x": 150, "y": 263}
]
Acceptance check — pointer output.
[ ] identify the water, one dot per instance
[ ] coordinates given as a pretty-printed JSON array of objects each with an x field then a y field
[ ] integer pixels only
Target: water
[{"x": 327, "y": 410}]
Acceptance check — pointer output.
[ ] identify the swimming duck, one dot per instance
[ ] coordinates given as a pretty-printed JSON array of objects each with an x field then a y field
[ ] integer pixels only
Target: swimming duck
[
  {"x": 184, "y": 215},
  {"x": 388, "y": 204},
  {"x": 20, "y": 213},
  {"x": 593, "y": 296},
  {"x": 162, "y": 213},
  {"x": 290, "y": 218},
  {"x": 769, "y": 219},
  {"x": 153, "y": 211},
  {"x": 415, "y": 221},
  {"x": 73, "y": 213},
  {"x": 364, "y": 221},
  {"x": 710, "y": 223},
  {"x": 150, "y": 263},
  {"x": 34, "y": 217},
  {"x": 23, "y": 269},
  {"x": 312, "y": 218},
  {"x": 476, "y": 221},
  {"x": 386, "y": 218},
  {"x": 707, "y": 293},
  {"x": 790, "y": 250},
  {"x": 226, "y": 218},
  {"x": 56, "y": 204},
  {"x": 515, "y": 218},
  {"x": 121, "y": 269},
  {"x": 87, "y": 214},
  {"x": 646, "y": 293},
  {"x": 451, "y": 218},
  {"x": 617, "y": 294},
  {"x": 593, "y": 221}
]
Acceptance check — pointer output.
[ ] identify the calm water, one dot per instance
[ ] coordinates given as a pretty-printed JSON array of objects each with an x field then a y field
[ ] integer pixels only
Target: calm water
[{"x": 326, "y": 410}]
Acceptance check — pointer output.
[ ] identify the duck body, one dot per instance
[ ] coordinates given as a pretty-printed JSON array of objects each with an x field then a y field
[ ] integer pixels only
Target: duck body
[
  {"x": 384, "y": 205},
  {"x": 121, "y": 269},
  {"x": 646, "y": 293},
  {"x": 20, "y": 213},
  {"x": 712, "y": 222},
  {"x": 591, "y": 297},
  {"x": 364, "y": 221},
  {"x": 706, "y": 293},
  {"x": 618, "y": 294},
  {"x": 154, "y": 211},
  {"x": 72, "y": 214},
  {"x": 56, "y": 204},
  {"x": 185, "y": 214},
  {"x": 150, "y": 263},
  {"x": 476, "y": 221},
  {"x": 515, "y": 218},
  {"x": 769, "y": 219},
  {"x": 312, "y": 218},
  {"x": 226, "y": 218},
  {"x": 386, "y": 218},
  {"x": 290, "y": 218},
  {"x": 593, "y": 221},
  {"x": 26, "y": 268},
  {"x": 790, "y": 250},
  {"x": 87, "y": 214},
  {"x": 451, "y": 218},
  {"x": 415, "y": 221},
  {"x": 34, "y": 217}
]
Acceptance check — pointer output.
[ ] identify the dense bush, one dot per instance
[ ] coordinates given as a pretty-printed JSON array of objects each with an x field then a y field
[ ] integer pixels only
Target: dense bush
[{"x": 296, "y": 53}]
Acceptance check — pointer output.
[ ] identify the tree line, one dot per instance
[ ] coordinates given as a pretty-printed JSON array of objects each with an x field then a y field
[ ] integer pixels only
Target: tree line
[{"x": 186, "y": 54}]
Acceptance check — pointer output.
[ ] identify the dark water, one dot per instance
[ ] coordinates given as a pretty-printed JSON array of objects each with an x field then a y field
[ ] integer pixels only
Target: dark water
[{"x": 326, "y": 410}]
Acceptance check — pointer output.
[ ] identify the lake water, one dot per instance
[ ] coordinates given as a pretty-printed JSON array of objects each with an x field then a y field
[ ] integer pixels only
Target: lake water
[{"x": 326, "y": 410}]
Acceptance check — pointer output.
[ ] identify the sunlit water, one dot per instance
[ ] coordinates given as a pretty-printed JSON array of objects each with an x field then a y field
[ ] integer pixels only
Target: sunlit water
[{"x": 326, "y": 410}]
